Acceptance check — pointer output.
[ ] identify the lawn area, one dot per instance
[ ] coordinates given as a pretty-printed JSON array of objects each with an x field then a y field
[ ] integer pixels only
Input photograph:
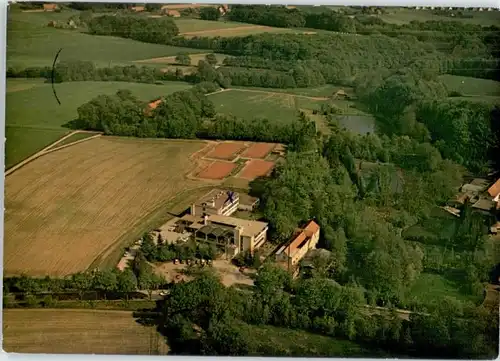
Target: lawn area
[
  {"x": 405, "y": 16},
  {"x": 252, "y": 104},
  {"x": 266, "y": 340},
  {"x": 32, "y": 43},
  {"x": 468, "y": 86},
  {"x": 78, "y": 331},
  {"x": 34, "y": 119},
  {"x": 430, "y": 289}
]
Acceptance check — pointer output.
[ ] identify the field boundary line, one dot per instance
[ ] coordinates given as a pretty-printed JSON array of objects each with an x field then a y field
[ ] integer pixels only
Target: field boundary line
[
  {"x": 72, "y": 143},
  {"x": 102, "y": 261},
  {"x": 246, "y": 27},
  {"x": 44, "y": 151},
  {"x": 270, "y": 93}
]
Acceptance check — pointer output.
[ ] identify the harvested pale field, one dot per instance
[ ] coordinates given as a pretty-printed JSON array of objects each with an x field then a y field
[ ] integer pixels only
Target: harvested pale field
[
  {"x": 258, "y": 150},
  {"x": 226, "y": 150},
  {"x": 256, "y": 168},
  {"x": 217, "y": 170},
  {"x": 78, "y": 331},
  {"x": 236, "y": 31},
  {"x": 73, "y": 207}
]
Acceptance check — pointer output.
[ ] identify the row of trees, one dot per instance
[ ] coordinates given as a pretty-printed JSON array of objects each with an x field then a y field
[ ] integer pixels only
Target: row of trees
[
  {"x": 150, "y": 30},
  {"x": 202, "y": 316},
  {"x": 185, "y": 114}
]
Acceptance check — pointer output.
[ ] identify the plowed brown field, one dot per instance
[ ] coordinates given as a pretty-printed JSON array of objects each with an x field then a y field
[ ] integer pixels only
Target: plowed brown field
[
  {"x": 78, "y": 331},
  {"x": 217, "y": 170},
  {"x": 256, "y": 168},
  {"x": 69, "y": 208},
  {"x": 258, "y": 150}
]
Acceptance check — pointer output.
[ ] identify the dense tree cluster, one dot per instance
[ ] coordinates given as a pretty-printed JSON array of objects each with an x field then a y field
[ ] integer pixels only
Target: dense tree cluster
[
  {"x": 185, "y": 114},
  {"x": 149, "y": 30},
  {"x": 405, "y": 104},
  {"x": 203, "y": 317}
]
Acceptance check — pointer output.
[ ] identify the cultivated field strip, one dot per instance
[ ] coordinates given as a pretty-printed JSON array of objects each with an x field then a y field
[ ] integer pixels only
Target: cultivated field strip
[
  {"x": 64, "y": 209},
  {"x": 78, "y": 331}
]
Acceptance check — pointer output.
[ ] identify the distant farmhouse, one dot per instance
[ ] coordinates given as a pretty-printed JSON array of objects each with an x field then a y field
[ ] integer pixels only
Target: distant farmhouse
[
  {"x": 138, "y": 9},
  {"x": 484, "y": 196},
  {"x": 50, "y": 7}
]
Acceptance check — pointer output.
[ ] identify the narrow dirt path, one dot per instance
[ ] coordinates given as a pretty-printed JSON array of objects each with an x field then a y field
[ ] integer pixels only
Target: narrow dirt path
[{"x": 50, "y": 148}]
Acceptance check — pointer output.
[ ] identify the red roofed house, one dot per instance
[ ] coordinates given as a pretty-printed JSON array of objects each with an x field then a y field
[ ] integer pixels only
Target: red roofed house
[
  {"x": 138, "y": 9},
  {"x": 49, "y": 7},
  {"x": 494, "y": 192},
  {"x": 152, "y": 105},
  {"x": 173, "y": 13},
  {"x": 305, "y": 239}
]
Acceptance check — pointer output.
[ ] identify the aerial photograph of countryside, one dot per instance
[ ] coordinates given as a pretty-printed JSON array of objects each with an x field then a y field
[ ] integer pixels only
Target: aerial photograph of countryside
[{"x": 252, "y": 180}]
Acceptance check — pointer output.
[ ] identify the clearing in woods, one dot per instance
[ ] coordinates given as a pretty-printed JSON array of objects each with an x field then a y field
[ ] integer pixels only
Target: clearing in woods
[
  {"x": 73, "y": 207},
  {"x": 78, "y": 331}
]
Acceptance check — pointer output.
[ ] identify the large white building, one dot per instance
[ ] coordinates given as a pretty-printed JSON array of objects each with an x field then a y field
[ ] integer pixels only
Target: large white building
[{"x": 216, "y": 202}]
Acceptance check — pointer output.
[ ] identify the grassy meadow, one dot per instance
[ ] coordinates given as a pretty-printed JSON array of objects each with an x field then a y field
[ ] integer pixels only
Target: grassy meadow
[
  {"x": 34, "y": 119},
  {"x": 254, "y": 104},
  {"x": 297, "y": 343},
  {"x": 405, "y": 15},
  {"x": 471, "y": 87},
  {"x": 32, "y": 43},
  {"x": 430, "y": 289}
]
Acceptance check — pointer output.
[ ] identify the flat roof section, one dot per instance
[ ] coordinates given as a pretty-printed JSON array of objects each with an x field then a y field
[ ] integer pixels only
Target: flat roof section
[{"x": 219, "y": 198}]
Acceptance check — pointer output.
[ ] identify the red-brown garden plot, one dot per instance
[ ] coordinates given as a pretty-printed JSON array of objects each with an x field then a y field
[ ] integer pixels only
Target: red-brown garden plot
[
  {"x": 217, "y": 170},
  {"x": 258, "y": 150},
  {"x": 256, "y": 168},
  {"x": 226, "y": 150}
]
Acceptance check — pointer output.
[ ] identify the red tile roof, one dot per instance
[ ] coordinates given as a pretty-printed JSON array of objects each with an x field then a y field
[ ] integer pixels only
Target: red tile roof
[
  {"x": 494, "y": 189},
  {"x": 311, "y": 228},
  {"x": 296, "y": 242},
  {"x": 155, "y": 104}
]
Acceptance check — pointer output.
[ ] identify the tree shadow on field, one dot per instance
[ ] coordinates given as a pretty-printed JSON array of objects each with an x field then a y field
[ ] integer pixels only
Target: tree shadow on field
[{"x": 75, "y": 124}]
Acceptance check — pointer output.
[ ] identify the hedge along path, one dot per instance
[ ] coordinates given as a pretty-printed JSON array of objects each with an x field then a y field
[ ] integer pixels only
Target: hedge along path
[{"x": 50, "y": 148}]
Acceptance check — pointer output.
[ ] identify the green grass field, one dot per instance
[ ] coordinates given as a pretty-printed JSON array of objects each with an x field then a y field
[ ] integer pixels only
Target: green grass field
[
  {"x": 32, "y": 43},
  {"x": 405, "y": 16},
  {"x": 250, "y": 105},
  {"x": 326, "y": 90},
  {"x": 430, "y": 289},
  {"x": 468, "y": 86},
  {"x": 34, "y": 119},
  {"x": 298, "y": 343}
]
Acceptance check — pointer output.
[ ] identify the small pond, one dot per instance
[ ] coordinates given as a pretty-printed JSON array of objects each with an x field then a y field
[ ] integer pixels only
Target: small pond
[{"x": 360, "y": 124}]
